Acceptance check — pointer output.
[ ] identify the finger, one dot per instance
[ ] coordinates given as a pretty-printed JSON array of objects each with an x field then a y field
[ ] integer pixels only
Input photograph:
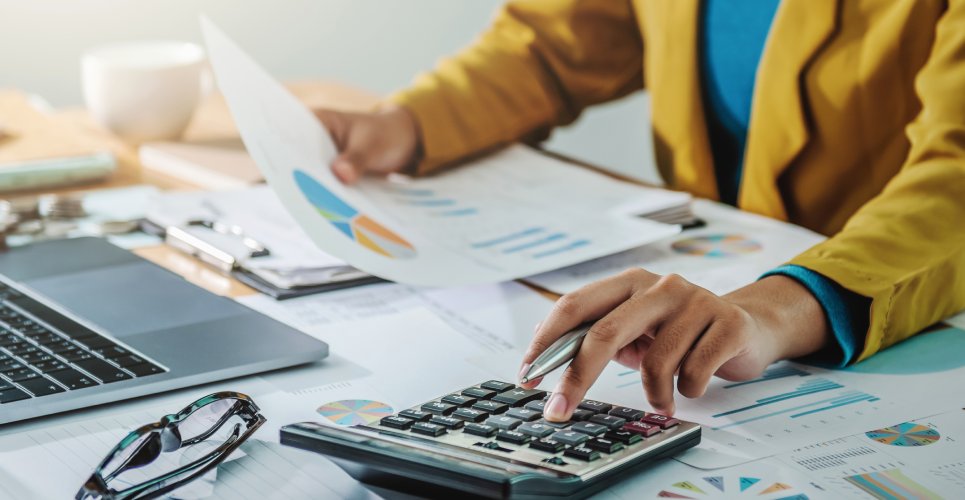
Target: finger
[
  {"x": 674, "y": 339},
  {"x": 633, "y": 353},
  {"x": 639, "y": 314},
  {"x": 346, "y": 170},
  {"x": 724, "y": 340},
  {"x": 588, "y": 303}
]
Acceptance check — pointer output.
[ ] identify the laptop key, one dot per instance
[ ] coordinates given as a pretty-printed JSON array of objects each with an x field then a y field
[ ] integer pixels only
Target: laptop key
[
  {"x": 144, "y": 369},
  {"x": 73, "y": 379},
  {"x": 40, "y": 386},
  {"x": 21, "y": 373},
  {"x": 103, "y": 370},
  {"x": 11, "y": 395},
  {"x": 112, "y": 351}
]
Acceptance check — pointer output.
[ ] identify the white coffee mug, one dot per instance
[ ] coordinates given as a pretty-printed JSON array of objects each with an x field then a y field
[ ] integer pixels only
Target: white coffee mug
[{"x": 144, "y": 90}]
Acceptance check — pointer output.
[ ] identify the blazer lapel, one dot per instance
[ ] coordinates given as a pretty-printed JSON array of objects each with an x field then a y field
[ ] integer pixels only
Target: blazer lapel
[{"x": 778, "y": 126}]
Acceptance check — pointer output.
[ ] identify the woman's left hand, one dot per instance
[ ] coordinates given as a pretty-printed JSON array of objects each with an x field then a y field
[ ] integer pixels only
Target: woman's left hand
[{"x": 665, "y": 325}]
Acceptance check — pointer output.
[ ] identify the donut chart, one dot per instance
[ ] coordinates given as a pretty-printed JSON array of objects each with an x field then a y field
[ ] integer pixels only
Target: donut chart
[
  {"x": 716, "y": 245},
  {"x": 358, "y": 227},
  {"x": 906, "y": 434},
  {"x": 354, "y": 411}
]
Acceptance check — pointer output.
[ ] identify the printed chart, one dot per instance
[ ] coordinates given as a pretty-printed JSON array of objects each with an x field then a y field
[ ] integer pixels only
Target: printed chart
[
  {"x": 716, "y": 245},
  {"x": 906, "y": 434},
  {"x": 737, "y": 487},
  {"x": 354, "y": 411},
  {"x": 891, "y": 484},
  {"x": 358, "y": 227}
]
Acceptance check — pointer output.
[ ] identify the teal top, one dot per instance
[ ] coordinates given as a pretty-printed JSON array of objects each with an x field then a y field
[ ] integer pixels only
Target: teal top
[{"x": 733, "y": 34}]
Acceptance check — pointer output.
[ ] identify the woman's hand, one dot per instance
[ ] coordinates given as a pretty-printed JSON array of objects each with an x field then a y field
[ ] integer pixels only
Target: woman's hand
[
  {"x": 664, "y": 325},
  {"x": 381, "y": 142}
]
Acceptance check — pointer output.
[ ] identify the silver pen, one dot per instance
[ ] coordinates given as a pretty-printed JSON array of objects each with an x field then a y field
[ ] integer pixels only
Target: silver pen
[{"x": 564, "y": 349}]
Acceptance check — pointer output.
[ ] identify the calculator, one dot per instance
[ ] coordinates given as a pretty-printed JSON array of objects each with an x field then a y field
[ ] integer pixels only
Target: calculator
[{"x": 491, "y": 441}]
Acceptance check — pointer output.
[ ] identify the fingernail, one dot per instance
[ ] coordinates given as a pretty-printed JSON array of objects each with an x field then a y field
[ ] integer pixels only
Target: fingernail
[
  {"x": 522, "y": 371},
  {"x": 556, "y": 407}
]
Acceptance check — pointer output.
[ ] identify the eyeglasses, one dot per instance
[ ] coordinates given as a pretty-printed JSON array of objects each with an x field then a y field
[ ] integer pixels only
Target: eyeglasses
[{"x": 126, "y": 473}]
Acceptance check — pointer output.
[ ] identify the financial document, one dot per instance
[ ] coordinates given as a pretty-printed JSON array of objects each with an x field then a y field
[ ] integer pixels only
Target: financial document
[
  {"x": 733, "y": 250},
  {"x": 511, "y": 215}
]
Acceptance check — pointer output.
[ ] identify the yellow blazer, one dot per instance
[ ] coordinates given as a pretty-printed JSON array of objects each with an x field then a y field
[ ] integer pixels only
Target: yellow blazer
[{"x": 857, "y": 125}]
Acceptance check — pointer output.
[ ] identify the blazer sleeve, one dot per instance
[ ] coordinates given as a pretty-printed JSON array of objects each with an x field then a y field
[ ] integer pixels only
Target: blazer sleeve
[
  {"x": 539, "y": 65},
  {"x": 905, "y": 249}
]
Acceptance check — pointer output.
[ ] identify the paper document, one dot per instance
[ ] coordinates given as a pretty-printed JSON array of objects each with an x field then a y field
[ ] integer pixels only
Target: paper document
[
  {"x": 733, "y": 250},
  {"x": 476, "y": 224}
]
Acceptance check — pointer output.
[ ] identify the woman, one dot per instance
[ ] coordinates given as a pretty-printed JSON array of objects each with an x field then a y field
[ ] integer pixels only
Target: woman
[{"x": 843, "y": 116}]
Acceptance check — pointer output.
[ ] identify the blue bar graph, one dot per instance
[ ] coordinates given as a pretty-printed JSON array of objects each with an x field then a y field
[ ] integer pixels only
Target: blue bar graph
[
  {"x": 842, "y": 401},
  {"x": 572, "y": 246},
  {"x": 831, "y": 401},
  {"x": 413, "y": 191},
  {"x": 532, "y": 244},
  {"x": 809, "y": 387},
  {"x": 771, "y": 374},
  {"x": 507, "y": 238},
  {"x": 432, "y": 202}
]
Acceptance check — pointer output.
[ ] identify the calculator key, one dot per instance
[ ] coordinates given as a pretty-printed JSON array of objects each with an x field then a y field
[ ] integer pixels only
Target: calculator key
[
  {"x": 624, "y": 437},
  {"x": 4, "y": 385},
  {"x": 438, "y": 408},
  {"x": 414, "y": 414},
  {"x": 479, "y": 393},
  {"x": 112, "y": 351},
  {"x": 571, "y": 438},
  {"x": 78, "y": 355},
  {"x": 497, "y": 386},
  {"x": 51, "y": 365},
  {"x": 604, "y": 445},
  {"x": 535, "y": 430},
  {"x": 512, "y": 437},
  {"x": 480, "y": 430},
  {"x": 548, "y": 445},
  {"x": 428, "y": 429},
  {"x": 523, "y": 414},
  {"x": 11, "y": 395},
  {"x": 595, "y": 406},
  {"x": 504, "y": 423},
  {"x": 519, "y": 397},
  {"x": 611, "y": 422},
  {"x": 662, "y": 421},
  {"x": 589, "y": 428},
  {"x": 459, "y": 400},
  {"x": 492, "y": 407},
  {"x": 470, "y": 415},
  {"x": 555, "y": 425},
  {"x": 396, "y": 422},
  {"x": 130, "y": 360},
  {"x": 536, "y": 405},
  {"x": 447, "y": 422},
  {"x": 580, "y": 415},
  {"x": 40, "y": 386},
  {"x": 629, "y": 414},
  {"x": 642, "y": 428},
  {"x": 582, "y": 453}
]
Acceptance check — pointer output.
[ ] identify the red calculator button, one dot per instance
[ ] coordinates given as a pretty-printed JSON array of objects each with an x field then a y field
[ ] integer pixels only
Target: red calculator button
[
  {"x": 642, "y": 428},
  {"x": 661, "y": 421}
]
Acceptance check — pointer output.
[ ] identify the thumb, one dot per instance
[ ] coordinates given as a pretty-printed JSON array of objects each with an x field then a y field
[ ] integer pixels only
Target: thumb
[{"x": 348, "y": 168}]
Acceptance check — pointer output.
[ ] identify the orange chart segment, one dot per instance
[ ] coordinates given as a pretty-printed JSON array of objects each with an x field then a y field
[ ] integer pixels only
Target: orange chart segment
[{"x": 347, "y": 220}]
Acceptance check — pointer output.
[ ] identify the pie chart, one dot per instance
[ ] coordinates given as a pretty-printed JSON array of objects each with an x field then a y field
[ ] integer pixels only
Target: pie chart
[
  {"x": 716, "y": 245},
  {"x": 354, "y": 225},
  {"x": 906, "y": 434},
  {"x": 354, "y": 411}
]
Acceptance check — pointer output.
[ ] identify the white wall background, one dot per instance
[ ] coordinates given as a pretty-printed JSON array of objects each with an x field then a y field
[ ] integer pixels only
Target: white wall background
[{"x": 375, "y": 44}]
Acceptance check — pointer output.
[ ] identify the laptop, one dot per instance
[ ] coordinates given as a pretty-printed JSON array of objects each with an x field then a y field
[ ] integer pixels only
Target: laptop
[{"x": 83, "y": 322}]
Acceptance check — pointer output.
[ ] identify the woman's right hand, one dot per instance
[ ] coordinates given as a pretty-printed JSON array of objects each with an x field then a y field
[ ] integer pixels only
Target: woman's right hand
[{"x": 380, "y": 142}]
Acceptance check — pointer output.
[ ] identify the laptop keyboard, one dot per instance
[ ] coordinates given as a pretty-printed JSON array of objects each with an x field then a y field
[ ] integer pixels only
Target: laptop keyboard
[{"x": 44, "y": 352}]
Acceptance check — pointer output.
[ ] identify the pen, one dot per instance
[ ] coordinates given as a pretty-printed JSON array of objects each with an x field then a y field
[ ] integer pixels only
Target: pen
[{"x": 558, "y": 353}]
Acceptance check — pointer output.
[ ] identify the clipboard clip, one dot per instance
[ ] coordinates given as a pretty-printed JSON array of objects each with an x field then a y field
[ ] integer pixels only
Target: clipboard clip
[{"x": 183, "y": 239}]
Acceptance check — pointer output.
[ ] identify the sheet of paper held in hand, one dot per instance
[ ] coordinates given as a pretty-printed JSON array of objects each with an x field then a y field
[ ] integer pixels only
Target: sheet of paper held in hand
[{"x": 511, "y": 215}]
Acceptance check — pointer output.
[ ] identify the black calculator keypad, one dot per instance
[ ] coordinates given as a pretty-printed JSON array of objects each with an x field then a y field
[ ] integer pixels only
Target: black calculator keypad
[{"x": 500, "y": 418}]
